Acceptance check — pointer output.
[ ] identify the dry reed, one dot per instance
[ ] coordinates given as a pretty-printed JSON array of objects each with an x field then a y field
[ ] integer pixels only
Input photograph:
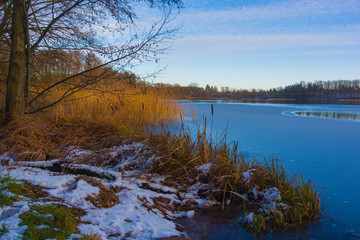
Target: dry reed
[
  {"x": 90, "y": 116},
  {"x": 182, "y": 155}
]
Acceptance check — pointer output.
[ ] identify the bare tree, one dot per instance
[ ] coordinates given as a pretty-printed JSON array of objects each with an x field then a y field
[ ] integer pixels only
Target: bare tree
[{"x": 30, "y": 27}]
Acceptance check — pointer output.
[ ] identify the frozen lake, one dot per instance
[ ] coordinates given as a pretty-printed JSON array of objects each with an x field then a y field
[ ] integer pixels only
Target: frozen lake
[{"x": 325, "y": 150}]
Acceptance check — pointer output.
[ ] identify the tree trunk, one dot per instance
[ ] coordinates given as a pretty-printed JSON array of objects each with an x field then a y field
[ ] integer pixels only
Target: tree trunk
[{"x": 15, "y": 85}]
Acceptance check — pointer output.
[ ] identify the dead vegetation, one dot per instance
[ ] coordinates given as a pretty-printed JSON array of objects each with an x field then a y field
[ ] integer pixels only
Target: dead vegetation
[
  {"x": 96, "y": 118},
  {"x": 106, "y": 197},
  {"x": 228, "y": 177}
]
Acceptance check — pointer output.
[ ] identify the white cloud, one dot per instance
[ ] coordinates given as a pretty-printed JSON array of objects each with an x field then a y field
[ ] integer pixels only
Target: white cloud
[
  {"x": 304, "y": 12},
  {"x": 264, "y": 42},
  {"x": 286, "y": 9}
]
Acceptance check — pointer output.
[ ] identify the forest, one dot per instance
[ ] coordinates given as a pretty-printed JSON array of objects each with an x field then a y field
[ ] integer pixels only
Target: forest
[{"x": 305, "y": 92}]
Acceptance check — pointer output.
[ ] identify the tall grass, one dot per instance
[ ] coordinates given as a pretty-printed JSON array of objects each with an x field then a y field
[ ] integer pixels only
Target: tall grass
[
  {"x": 124, "y": 112},
  {"x": 88, "y": 116},
  {"x": 182, "y": 155}
]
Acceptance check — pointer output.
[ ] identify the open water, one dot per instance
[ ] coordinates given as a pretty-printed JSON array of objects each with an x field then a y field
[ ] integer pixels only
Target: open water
[{"x": 321, "y": 141}]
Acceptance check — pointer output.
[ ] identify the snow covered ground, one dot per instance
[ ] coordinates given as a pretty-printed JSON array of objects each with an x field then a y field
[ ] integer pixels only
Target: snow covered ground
[
  {"x": 145, "y": 209},
  {"x": 121, "y": 200}
]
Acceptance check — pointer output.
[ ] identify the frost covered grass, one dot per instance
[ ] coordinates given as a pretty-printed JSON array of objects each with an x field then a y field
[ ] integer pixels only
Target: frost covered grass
[{"x": 275, "y": 200}]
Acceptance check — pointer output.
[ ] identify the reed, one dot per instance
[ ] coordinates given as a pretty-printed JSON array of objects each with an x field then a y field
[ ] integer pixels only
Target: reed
[
  {"x": 181, "y": 156},
  {"x": 89, "y": 116},
  {"x": 121, "y": 110}
]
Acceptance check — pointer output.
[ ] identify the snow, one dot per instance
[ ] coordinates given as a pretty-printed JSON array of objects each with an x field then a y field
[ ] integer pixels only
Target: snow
[
  {"x": 205, "y": 168},
  {"x": 272, "y": 195},
  {"x": 155, "y": 186},
  {"x": 77, "y": 196},
  {"x": 115, "y": 151},
  {"x": 40, "y": 163},
  {"x": 249, "y": 218},
  {"x": 7, "y": 158},
  {"x": 43, "y": 178},
  {"x": 75, "y": 153},
  {"x": 103, "y": 221},
  {"x": 247, "y": 175},
  {"x": 189, "y": 214},
  {"x": 130, "y": 216},
  {"x": 9, "y": 217},
  {"x": 141, "y": 223},
  {"x": 106, "y": 173},
  {"x": 43, "y": 227},
  {"x": 134, "y": 155}
]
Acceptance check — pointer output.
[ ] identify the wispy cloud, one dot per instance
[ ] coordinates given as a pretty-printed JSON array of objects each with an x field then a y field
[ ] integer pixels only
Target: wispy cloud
[
  {"x": 264, "y": 42},
  {"x": 296, "y": 13},
  {"x": 326, "y": 53},
  {"x": 285, "y": 9}
]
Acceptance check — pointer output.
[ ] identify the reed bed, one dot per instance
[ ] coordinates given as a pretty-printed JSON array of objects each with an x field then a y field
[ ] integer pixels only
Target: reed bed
[
  {"x": 182, "y": 155},
  {"x": 90, "y": 117},
  {"x": 124, "y": 113}
]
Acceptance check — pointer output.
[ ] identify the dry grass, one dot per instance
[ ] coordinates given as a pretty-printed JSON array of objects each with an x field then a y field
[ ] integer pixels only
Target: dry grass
[
  {"x": 182, "y": 154},
  {"x": 122, "y": 112},
  {"x": 90, "y": 117},
  {"x": 106, "y": 197}
]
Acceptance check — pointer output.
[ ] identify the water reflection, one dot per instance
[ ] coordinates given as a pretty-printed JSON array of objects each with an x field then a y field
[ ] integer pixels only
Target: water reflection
[{"x": 338, "y": 115}]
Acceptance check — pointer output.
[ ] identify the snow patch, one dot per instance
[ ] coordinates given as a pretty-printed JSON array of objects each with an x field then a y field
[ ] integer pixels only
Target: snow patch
[
  {"x": 247, "y": 175},
  {"x": 76, "y": 153},
  {"x": 77, "y": 196},
  {"x": 249, "y": 218},
  {"x": 205, "y": 168},
  {"x": 39, "y": 164},
  {"x": 7, "y": 158},
  {"x": 9, "y": 217},
  {"x": 128, "y": 217}
]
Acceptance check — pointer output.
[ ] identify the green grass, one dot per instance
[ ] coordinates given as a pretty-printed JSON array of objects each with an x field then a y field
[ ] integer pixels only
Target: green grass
[
  {"x": 61, "y": 223},
  {"x": 9, "y": 185}
]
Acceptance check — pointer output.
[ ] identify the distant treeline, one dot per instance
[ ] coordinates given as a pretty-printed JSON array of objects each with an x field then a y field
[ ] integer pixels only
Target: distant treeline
[{"x": 319, "y": 91}]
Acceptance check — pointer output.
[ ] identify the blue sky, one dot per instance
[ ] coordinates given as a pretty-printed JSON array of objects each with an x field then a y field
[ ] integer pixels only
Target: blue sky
[{"x": 264, "y": 44}]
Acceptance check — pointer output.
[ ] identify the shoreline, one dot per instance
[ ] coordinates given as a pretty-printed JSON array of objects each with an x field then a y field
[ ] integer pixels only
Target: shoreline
[{"x": 156, "y": 172}]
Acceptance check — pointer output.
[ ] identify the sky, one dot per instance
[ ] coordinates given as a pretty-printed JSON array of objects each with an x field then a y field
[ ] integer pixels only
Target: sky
[{"x": 246, "y": 44}]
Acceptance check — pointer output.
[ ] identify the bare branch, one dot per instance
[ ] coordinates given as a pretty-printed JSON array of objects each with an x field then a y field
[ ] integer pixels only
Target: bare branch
[{"x": 47, "y": 29}]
